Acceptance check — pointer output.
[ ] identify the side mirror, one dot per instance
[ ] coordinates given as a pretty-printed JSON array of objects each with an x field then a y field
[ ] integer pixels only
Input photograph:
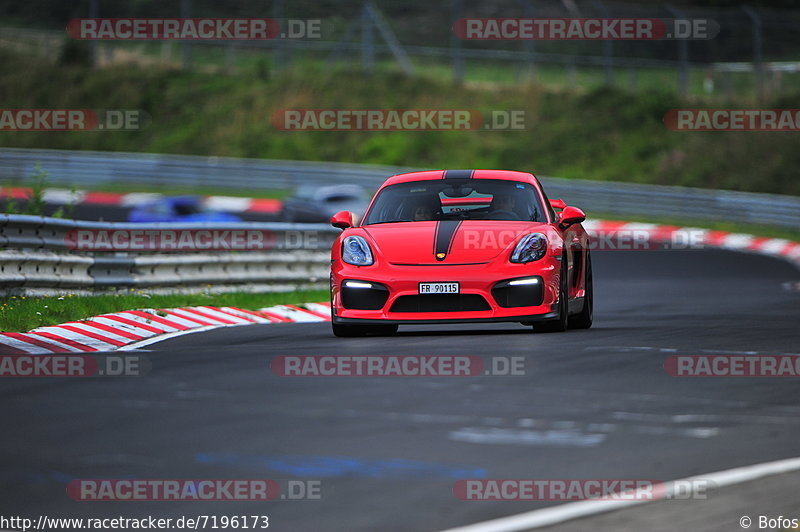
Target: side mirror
[
  {"x": 343, "y": 219},
  {"x": 558, "y": 204},
  {"x": 571, "y": 216}
]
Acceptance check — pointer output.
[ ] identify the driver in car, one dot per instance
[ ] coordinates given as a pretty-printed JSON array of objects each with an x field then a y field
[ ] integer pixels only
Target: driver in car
[
  {"x": 503, "y": 204},
  {"x": 425, "y": 210}
]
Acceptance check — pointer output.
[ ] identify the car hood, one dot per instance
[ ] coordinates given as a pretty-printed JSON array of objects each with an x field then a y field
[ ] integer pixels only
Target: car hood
[{"x": 469, "y": 241}]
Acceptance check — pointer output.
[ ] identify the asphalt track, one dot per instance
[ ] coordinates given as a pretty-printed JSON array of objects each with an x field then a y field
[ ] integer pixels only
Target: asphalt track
[{"x": 593, "y": 404}]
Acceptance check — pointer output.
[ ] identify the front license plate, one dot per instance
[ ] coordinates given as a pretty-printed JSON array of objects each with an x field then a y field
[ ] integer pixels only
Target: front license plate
[{"x": 439, "y": 288}]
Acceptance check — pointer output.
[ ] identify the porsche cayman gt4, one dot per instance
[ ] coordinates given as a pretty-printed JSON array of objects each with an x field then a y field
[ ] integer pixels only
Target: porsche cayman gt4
[{"x": 461, "y": 246}]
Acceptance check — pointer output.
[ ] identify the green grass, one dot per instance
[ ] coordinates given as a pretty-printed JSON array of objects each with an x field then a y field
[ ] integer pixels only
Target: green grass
[
  {"x": 21, "y": 313},
  {"x": 481, "y": 71}
]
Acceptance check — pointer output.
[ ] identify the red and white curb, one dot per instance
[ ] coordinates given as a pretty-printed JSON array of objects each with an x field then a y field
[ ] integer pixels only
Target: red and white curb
[
  {"x": 62, "y": 196},
  {"x": 109, "y": 332},
  {"x": 634, "y": 235}
]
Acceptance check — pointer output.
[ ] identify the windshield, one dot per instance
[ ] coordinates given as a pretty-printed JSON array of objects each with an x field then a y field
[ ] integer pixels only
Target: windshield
[{"x": 476, "y": 199}]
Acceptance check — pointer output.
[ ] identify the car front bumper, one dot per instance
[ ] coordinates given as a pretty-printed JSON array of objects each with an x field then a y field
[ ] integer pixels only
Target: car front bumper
[{"x": 485, "y": 294}]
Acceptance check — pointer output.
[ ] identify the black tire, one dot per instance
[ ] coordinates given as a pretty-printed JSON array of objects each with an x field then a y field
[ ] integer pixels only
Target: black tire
[
  {"x": 350, "y": 331},
  {"x": 561, "y": 323},
  {"x": 583, "y": 320}
]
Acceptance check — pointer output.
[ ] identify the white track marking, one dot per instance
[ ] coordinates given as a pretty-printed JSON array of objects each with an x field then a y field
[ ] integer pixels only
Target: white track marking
[
  {"x": 138, "y": 331},
  {"x": 576, "y": 510},
  {"x": 87, "y": 326},
  {"x": 162, "y": 337},
  {"x": 54, "y": 342},
  {"x": 190, "y": 314},
  {"x": 168, "y": 336},
  {"x": 150, "y": 323},
  {"x": 293, "y": 314},
  {"x": 23, "y": 346},
  {"x": 495, "y": 436},
  {"x": 220, "y": 315},
  {"x": 245, "y": 315},
  {"x": 77, "y": 337},
  {"x": 318, "y": 307}
]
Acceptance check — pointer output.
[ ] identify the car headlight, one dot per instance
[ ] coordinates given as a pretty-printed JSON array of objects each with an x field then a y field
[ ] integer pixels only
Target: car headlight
[
  {"x": 532, "y": 247},
  {"x": 355, "y": 251}
]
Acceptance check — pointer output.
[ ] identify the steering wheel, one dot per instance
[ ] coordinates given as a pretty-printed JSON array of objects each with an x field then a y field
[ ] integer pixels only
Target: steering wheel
[{"x": 500, "y": 215}]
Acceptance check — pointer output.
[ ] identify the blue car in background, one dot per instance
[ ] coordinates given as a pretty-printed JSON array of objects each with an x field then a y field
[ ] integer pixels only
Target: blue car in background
[{"x": 178, "y": 209}]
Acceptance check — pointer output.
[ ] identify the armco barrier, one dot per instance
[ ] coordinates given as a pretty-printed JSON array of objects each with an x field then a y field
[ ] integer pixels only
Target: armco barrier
[
  {"x": 92, "y": 169},
  {"x": 37, "y": 257}
]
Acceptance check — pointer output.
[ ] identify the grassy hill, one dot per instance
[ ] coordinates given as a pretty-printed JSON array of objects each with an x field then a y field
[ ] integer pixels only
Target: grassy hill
[{"x": 605, "y": 134}]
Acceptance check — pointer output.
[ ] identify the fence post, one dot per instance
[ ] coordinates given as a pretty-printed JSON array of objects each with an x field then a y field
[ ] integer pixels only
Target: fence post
[
  {"x": 572, "y": 74},
  {"x": 456, "y": 44},
  {"x": 758, "y": 51},
  {"x": 367, "y": 41},
  {"x": 230, "y": 56},
  {"x": 186, "y": 48},
  {"x": 339, "y": 49},
  {"x": 632, "y": 79},
  {"x": 683, "y": 55},
  {"x": 530, "y": 47},
  {"x": 280, "y": 46},
  {"x": 93, "y": 13},
  {"x": 389, "y": 38},
  {"x": 608, "y": 46}
]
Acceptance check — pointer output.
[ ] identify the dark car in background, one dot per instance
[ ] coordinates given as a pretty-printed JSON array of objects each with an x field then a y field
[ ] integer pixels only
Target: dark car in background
[
  {"x": 313, "y": 203},
  {"x": 178, "y": 209}
]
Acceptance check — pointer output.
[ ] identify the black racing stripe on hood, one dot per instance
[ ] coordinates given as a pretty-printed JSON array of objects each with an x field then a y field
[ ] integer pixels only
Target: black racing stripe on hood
[
  {"x": 458, "y": 174},
  {"x": 445, "y": 233}
]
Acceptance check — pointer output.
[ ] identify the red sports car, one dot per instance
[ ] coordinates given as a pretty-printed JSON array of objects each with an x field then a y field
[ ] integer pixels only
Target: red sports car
[{"x": 461, "y": 246}]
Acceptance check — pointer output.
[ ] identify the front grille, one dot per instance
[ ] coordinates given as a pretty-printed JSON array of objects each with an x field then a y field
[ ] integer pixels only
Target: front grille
[
  {"x": 364, "y": 298},
  {"x": 526, "y": 295},
  {"x": 440, "y": 303}
]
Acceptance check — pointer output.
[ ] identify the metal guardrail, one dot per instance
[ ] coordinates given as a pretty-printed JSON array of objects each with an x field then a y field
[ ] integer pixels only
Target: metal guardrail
[
  {"x": 37, "y": 255},
  {"x": 88, "y": 169}
]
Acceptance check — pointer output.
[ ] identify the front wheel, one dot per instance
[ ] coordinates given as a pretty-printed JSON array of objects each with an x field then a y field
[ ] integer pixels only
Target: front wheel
[
  {"x": 350, "y": 331},
  {"x": 558, "y": 324},
  {"x": 584, "y": 319}
]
